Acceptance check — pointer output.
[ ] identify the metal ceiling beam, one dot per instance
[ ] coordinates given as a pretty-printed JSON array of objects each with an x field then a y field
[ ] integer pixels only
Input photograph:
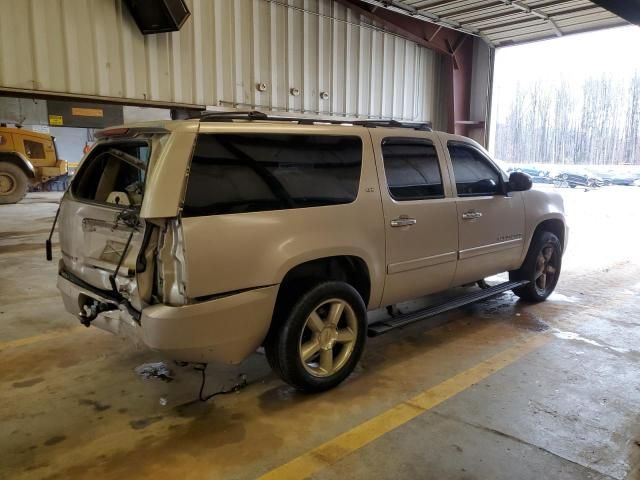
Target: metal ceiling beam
[
  {"x": 414, "y": 27},
  {"x": 550, "y": 20},
  {"x": 534, "y": 12},
  {"x": 515, "y": 5},
  {"x": 466, "y": 11},
  {"x": 456, "y": 47},
  {"x": 402, "y": 8},
  {"x": 549, "y": 16}
]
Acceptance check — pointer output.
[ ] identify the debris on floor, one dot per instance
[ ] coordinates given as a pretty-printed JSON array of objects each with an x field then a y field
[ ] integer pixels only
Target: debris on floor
[{"x": 155, "y": 370}]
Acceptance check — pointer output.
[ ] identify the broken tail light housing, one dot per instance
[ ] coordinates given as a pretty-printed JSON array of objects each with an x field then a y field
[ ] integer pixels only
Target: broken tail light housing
[
  {"x": 129, "y": 132},
  {"x": 112, "y": 132}
]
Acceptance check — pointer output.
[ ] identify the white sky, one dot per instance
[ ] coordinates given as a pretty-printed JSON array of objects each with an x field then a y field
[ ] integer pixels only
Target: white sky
[{"x": 574, "y": 58}]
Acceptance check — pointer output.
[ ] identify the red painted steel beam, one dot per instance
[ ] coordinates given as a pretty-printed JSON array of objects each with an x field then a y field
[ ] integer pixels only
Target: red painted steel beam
[
  {"x": 456, "y": 49},
  {"x": 462, "y": 73},
  {"x": 423, "y": 33}
]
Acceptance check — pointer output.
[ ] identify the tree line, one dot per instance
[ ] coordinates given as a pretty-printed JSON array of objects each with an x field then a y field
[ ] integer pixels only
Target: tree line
[{"x": 596, "y": 122}]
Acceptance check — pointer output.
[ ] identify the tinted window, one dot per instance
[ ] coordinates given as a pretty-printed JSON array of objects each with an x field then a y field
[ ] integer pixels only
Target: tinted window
[
  {"x": 473, "y": 173},
  {"x": 34, "y": 149},
  {"x": 239, "y": 173},
  {"x": 412, "y": 170},
  {"x": 113, "y": 168}
]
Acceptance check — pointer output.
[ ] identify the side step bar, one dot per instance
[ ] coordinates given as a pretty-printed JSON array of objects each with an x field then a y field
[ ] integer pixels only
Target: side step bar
[{"x": 406, "y": 319}]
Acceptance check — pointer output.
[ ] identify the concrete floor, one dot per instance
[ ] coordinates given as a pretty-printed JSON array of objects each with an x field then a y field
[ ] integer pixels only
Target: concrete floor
[{"x": 498, "y": 390}]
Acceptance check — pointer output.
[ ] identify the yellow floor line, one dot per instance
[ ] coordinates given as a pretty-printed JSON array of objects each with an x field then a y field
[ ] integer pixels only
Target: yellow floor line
[
  {"x": 21, "y": 342},
  {"x": 334, "y": 450}
]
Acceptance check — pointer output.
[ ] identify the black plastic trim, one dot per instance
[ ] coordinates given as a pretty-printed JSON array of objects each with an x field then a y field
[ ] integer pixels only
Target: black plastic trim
[
  {"x": 261, "y": 116},
  {"x": 109, "y": 295},
  {"x": 409, "y": 318}
]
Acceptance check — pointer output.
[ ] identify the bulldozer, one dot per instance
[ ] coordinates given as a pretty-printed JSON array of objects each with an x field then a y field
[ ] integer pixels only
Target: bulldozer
[{"x": 27, "y": 160}]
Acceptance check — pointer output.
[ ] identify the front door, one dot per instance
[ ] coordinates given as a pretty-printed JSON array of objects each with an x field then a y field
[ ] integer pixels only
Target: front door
[
  {"x": 491, "y": 223},
  {"x": 419, "y": 213}
]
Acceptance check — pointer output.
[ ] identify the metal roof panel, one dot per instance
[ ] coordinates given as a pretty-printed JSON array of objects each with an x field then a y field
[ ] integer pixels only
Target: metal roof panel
[{"x": 508, "y": 22}]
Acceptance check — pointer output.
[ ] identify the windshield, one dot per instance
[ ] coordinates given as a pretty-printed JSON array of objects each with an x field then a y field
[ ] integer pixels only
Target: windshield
[{"x": 114, "y": 173}]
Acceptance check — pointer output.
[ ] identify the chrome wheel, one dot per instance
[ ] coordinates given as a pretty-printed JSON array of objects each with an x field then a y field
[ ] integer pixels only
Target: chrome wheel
[
  {"x": 546, "y": 269},
  {"x": 8, "y": 184},
  {"x": 328, "y": 338}
]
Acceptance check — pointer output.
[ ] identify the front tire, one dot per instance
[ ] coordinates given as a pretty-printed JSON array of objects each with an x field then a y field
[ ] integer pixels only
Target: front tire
[
  {"x": 13, "y": 183},
  {"x": 321, "y": 338},
  {"x": 541, "y": 267}
]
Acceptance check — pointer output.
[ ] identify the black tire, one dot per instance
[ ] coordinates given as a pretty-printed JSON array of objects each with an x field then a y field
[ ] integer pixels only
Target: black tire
[
  {"x": 13, "y": 183},
  {"x": 283, "y": 346},
  {"x": 536, "y": 290}
]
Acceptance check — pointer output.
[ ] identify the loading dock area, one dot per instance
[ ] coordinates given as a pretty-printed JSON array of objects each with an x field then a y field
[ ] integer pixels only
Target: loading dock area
[{"x": 501, "y": 389}]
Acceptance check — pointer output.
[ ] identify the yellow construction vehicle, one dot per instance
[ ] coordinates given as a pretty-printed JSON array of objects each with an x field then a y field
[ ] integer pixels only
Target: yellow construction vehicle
[{"x": 27, "y": 159}]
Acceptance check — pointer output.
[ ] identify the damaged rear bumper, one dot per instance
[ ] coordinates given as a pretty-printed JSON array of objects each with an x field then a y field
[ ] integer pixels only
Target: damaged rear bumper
[{"x": 225, "y": 329}]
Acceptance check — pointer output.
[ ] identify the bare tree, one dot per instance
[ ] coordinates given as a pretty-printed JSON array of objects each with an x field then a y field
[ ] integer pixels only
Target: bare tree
[
  {"x": 632, "y": 126},
  {"x": 596, "y": 123}
]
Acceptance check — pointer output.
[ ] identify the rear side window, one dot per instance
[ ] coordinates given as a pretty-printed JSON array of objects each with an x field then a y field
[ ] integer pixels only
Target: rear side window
[
  {"x": 473, "y": 172},
  {"x": 240, "y": 173},
  {"x": 412, "y": 169},
  {"x": 114, "y": 173}
]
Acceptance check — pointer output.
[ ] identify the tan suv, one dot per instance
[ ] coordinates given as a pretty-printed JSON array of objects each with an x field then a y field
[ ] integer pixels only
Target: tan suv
[{"x": 205, "y": 239}]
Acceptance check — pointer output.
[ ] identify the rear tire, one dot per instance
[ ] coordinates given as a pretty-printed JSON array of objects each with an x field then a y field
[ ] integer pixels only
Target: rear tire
[
  {"x": 320, "y": 339},
  {"x": 13, "y": 183},
  {"x": 541, "y": 267}
]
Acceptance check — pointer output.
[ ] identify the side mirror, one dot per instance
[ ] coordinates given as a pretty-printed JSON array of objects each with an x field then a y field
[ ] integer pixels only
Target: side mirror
[{"x": 519, "y": 182}]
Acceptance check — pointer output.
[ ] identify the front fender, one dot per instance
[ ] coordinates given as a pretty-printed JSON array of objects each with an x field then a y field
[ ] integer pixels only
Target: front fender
[{"x": 540, "y": 207}]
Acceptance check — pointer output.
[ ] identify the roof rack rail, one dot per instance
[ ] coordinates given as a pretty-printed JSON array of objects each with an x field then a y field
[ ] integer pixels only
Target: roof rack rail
[
  {"x": 257, "y": 115},
  {"x": 426, "y": 126}
]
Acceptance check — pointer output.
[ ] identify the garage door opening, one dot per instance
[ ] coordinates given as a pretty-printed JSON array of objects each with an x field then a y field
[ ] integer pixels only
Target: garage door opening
[{"x": 567, "y": 112}]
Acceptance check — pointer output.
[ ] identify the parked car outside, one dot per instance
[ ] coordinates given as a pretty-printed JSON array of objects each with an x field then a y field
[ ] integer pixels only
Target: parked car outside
[
  {"x": 538, "y": 174},
  {"x": 574, "y": 176}
]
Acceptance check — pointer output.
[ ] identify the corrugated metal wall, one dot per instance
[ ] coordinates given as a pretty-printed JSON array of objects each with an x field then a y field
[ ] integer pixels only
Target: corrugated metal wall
[{"x": 226, "y": 48}]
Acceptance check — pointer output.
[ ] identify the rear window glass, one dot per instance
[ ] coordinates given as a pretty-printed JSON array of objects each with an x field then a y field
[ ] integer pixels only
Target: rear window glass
[
  {"x": 114, "y": 173},
  {"x": 240, "y": 173}
]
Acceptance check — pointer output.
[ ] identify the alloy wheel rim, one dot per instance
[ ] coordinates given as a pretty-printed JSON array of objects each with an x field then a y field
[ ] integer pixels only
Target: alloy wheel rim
[
  {"x": 7, "y": 184},
  {"x": 546, "y": 269},
  {"x": 328, "y": 338}
]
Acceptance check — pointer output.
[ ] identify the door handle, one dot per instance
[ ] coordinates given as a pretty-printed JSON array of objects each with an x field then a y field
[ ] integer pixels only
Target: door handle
[
  {"x": 471, "y": 215},
  {"x": 403, "y": 221}
]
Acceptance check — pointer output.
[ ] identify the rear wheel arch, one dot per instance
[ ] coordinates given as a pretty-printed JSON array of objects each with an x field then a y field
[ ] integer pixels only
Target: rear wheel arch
[
  {"x": 346, "y": 268},
  {"x": 302, "y": 277}
]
